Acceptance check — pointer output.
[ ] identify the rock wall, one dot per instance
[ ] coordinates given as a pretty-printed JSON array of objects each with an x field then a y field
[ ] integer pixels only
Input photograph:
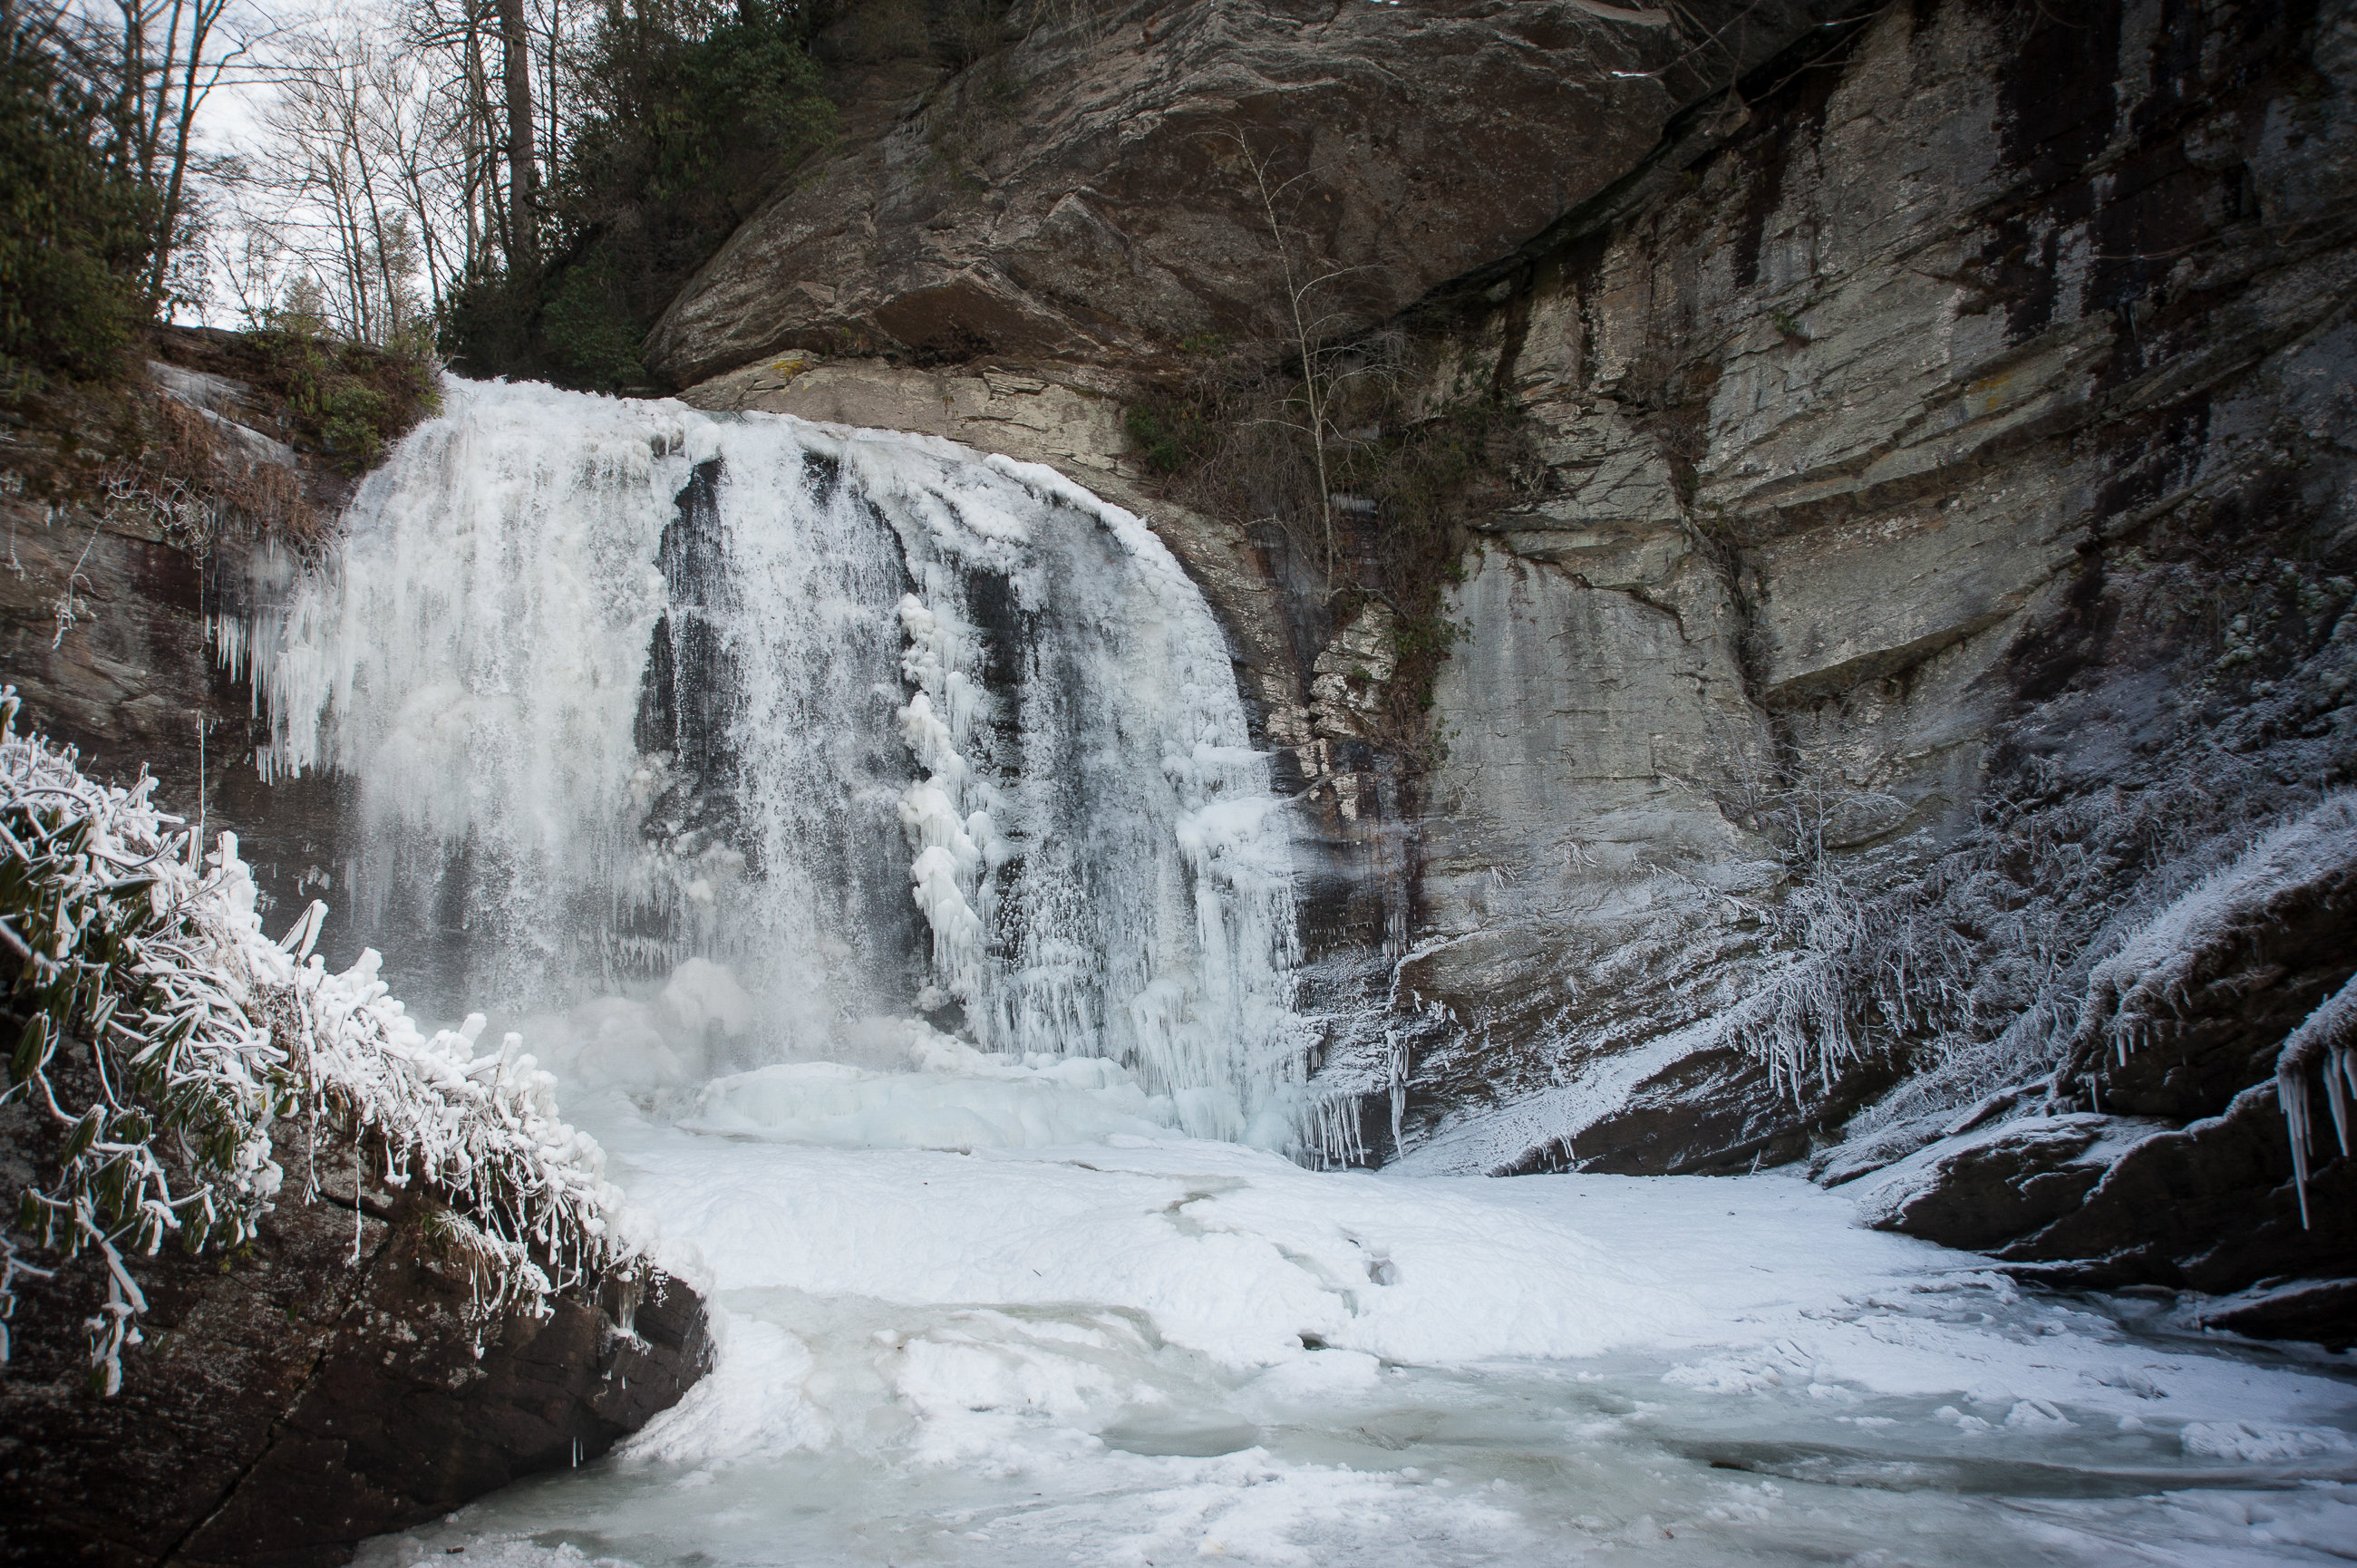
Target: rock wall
[
  {"x": 126, "y": 675},
  {"x": 1084, "y": 190},
  {"x": 1929, "y": 560},
  {"x": 1913, "y": 428}
]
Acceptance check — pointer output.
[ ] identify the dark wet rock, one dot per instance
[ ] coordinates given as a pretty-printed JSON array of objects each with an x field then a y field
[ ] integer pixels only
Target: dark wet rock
[
  {"x": 2322, "y": 1311},
  {"x": 2004, "y": 1182},
  {"x": 328, "y": 1382}
]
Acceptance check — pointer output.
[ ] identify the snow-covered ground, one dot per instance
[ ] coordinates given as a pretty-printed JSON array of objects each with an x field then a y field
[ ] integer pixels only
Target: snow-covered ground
[{"x": 1145, "y": 1349}]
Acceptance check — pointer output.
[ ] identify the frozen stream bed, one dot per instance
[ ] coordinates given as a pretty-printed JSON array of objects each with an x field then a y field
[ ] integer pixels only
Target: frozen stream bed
[{"x": 1145, "y": 1348}]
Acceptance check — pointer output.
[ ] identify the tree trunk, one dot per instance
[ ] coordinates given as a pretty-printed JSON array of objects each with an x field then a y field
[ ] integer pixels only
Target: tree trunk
[{"x": 523, "y": 171}]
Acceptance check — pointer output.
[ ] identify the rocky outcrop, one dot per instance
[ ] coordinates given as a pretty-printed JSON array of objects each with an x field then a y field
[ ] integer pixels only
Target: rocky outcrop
[
  {"x": 118, "y": 566},
  {"x": 1088, "y": 187},
  {"x": 2184, "y": 1174},
  {"x": 352, "y": 1369},
  {"x": 334, "y": 1379}
]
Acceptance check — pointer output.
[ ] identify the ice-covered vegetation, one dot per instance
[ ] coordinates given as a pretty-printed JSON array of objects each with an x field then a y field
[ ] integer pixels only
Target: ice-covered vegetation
[
  {"x": 1985, "y": 963},
  {"x": 173, "y": 1060}
]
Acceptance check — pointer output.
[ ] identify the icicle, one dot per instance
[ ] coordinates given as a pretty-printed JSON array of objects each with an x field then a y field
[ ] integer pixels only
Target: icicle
[
  {"x": 1397, "y": 1045},
  {"x": 2291, "y": 1094},
  {"x": 2337, "y": 1068},
  {"x": 2327, "y": 1037}
]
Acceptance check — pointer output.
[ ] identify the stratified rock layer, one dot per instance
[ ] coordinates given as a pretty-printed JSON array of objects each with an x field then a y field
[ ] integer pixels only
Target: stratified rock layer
[{"x": 1088, "y": 189}]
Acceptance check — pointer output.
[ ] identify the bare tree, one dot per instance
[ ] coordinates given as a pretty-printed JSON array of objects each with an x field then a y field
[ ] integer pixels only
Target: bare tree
[
  {"x": 351, "y": 190},
  {"x": 523, "y": 170},
  {"x": 1327, "y": 362},
  {"x": 162, "y": 60}
]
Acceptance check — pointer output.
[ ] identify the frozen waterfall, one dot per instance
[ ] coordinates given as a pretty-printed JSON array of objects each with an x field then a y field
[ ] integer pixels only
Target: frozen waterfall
[{"x": 873, "y": 724}]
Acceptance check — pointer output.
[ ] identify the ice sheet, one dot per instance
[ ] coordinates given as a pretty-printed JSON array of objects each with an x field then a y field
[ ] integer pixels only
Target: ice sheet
[{"x": 1146, "y": 1348}]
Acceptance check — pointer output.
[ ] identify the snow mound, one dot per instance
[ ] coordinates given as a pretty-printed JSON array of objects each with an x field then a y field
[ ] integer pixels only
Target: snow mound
[
  {"x": 958, "y": 1097},
  {"x": 2256, "y": 1444}
]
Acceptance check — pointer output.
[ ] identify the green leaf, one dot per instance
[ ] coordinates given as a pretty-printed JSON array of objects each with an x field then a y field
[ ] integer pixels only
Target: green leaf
[
  {"x": 32, "y": 1049},
  {"x": 84, "y": 1134}
]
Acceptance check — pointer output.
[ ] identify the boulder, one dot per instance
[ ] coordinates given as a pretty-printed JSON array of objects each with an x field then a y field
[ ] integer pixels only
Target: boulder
[{"x": 332, "y": 1380}]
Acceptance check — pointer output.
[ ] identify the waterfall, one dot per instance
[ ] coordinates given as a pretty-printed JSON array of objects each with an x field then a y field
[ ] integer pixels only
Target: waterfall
[{"x": 873, "y": 723}]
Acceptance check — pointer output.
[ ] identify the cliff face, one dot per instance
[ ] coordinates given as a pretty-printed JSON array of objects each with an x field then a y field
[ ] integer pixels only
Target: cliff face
[
  {"x": 1084, "y": 190},
  {"x": 122, "y": 506},
  {"x": 1910, "y": 604},
  {"x": 1925, "y": 564}
]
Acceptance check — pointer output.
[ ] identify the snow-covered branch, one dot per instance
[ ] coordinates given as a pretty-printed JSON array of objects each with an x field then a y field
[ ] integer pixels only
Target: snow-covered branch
[{"x": 167, "y": 1042}]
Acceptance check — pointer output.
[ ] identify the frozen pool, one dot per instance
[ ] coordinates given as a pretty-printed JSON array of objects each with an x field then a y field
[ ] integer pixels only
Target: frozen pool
[{"x": 1150, "y": 1350}]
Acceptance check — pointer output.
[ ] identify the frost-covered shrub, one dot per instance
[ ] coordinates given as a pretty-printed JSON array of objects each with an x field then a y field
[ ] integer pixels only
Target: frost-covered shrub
[
  {"x": 1972, "y": 962},
  {"x": 167, "y": 1044}
]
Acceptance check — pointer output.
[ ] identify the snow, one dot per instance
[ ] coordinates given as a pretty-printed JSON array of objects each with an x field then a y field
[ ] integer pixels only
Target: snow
[
  {"x": 962, "y": 1098},
  {"x": 1145, "y": 1349}
]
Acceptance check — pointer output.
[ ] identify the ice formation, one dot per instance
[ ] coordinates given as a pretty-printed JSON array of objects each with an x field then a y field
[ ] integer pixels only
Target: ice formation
[
  {"x": 2327, "y": 1037},
  {"x": 2144, "y": 983},
  {"x": 875, "y": 723}
]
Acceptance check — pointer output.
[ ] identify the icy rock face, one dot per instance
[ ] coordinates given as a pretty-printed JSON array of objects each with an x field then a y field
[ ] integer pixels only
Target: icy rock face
[
  {"x": 1880, "y": 493},
  {"x": 877, "y": 724},
  {"x": 2191, "y": 1039}
]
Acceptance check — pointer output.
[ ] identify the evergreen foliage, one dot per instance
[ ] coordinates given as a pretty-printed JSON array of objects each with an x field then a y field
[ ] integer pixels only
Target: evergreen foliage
[
  {"x": 76, "y": 231},
  {"x": 353, "y": 399},
  {"x": 694, "y": 112}
]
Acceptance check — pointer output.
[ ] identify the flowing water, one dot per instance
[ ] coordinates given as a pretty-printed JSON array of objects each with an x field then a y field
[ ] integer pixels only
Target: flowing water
[{"x": 868, "y": 836}]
